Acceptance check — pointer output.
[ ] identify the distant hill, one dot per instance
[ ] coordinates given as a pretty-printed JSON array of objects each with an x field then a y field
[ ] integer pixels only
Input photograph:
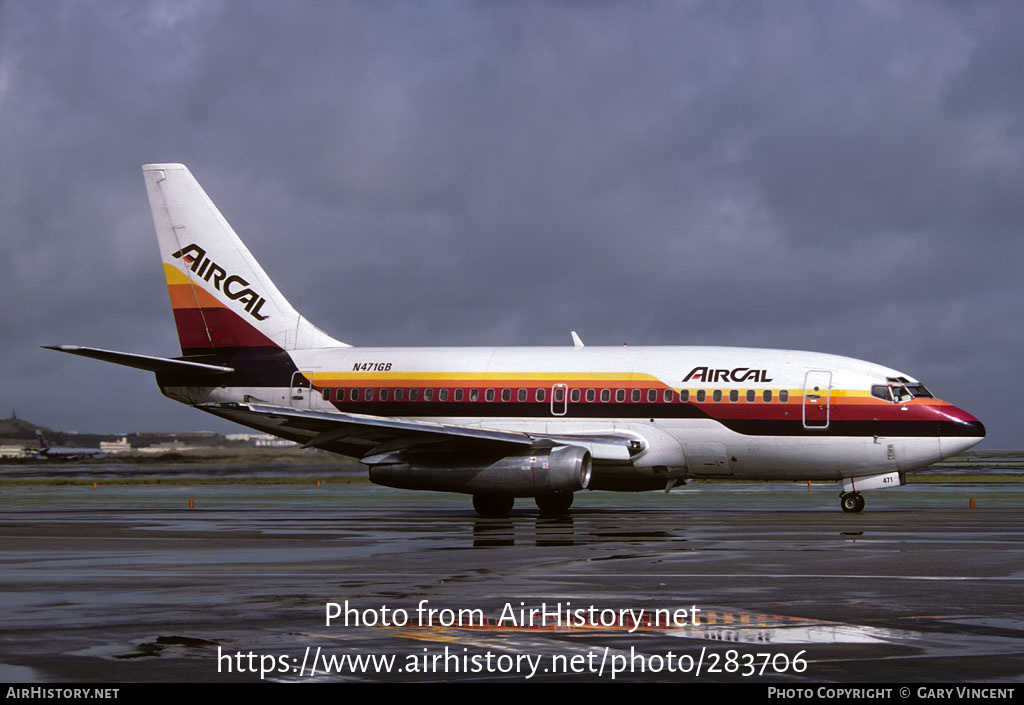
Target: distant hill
[
  {"x": 22, "y": 429},
  {"x": 19, "y": 431}
]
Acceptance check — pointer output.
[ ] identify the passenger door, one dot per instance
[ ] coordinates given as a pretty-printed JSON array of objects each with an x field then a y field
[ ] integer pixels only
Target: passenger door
[
  {"x": 817, "y": 399},
  {"x": 559, "y": 399},
  {"x": 301, "y": 390}
]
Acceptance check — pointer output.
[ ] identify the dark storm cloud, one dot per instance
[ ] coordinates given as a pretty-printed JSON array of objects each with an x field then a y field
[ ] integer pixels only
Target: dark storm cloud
[{"x": 831, "y": 176}]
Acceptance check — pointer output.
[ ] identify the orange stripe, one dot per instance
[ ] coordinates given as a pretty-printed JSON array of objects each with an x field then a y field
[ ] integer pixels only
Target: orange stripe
[{"x": 191, "y": 296}]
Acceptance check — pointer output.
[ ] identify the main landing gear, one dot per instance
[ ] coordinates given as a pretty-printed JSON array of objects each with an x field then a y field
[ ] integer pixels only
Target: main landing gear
[
  {"x": 851, "y": 502},
  {"x": 493, "y": 505},
  {"x": 498, "y": 505},
  {"x": 554, "y": 503}
]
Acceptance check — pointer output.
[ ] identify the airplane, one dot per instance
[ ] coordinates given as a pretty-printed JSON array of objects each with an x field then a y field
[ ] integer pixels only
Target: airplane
[
  {"x": 48, "y": 453},
  {"x": 500, "y": 423}
]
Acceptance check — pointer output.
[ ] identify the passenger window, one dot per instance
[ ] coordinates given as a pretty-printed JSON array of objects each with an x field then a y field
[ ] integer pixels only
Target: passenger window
[
  {"x": 340, "y": 396},
  {"x": 766, "y": 395},
  {"x": 701, "y": 395},
  {"x": 399, "y": 393},
  {"x": 369, "y": 395},
  {"x": 384, "y": 395},
  {"x": 783, "y": 395},
  {"x": 620, "y": 395},
  {"x": 326, "y": 394},
  {"x": 652, "y": 395},
  {"x": 574, "y": 395},
  {"x": 489, "y": 395},
  {"x": 540, "y": 395},
  {"x": 521, "y": 395},
  {"x": 506, "y": 395},
  {"x": 684, "y": 395},
  {"x": 474, "y": 394},
  {"x": 751, "y": 395},
  {"x": 606, "y": 395},
  {"x": 559, "y": 394},
  {"x": 354, "y": 395},
  {"x": 716, "y": 396},
  {"x": 591, "y": 395},
  {"x": 414, "y": 395},
  {"x": 635, "y": 396},
  {"x": 734, "y": 395},
  {"x": 458, "y": 395}
]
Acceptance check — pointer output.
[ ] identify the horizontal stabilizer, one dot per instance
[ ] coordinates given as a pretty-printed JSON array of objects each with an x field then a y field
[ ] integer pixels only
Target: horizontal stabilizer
[{"x": 142, "y": 362}]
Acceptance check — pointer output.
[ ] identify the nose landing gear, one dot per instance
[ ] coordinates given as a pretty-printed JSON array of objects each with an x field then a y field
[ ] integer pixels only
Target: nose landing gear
[{"x": 851, "y": 502}]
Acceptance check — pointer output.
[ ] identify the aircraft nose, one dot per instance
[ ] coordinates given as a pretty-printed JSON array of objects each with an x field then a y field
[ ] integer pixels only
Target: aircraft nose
[
  {"x": 964, "y": 424},
  {"x": 959, "y": 431}
]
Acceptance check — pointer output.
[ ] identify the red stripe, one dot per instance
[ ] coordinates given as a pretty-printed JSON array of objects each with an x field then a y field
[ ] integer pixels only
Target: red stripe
[{"x": 226, "y": 330}]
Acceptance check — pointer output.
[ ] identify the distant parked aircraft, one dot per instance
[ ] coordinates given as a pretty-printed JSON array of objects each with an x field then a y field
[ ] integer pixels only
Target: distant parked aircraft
[{"x": 45, "y": 451}]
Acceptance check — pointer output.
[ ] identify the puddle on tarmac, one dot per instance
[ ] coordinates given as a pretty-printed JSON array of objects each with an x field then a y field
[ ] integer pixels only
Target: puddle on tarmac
[{"x": 798, "y": 634}]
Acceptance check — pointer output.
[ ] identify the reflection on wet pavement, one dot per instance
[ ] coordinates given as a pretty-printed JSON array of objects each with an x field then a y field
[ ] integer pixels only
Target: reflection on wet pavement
[{"x": 127, "y": 583}]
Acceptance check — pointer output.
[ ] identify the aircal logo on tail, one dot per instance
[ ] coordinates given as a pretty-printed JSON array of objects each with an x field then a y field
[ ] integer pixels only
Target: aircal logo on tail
[
  {"x": 740, "y": 374},
  {"x": 233, "y": 286}
]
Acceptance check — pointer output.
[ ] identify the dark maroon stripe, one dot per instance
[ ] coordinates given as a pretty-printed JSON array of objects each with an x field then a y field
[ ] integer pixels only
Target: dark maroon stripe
[
  {"x": 610, "y": 411},
  {"x": 226, "y": 330}
]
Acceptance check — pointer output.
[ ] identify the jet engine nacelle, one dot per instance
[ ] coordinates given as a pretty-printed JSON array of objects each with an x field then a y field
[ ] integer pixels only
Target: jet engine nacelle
[{"x": 541, "y": 472}]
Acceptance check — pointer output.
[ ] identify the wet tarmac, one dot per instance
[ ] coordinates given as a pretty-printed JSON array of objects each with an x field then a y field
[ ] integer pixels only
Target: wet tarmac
[{"x": 756, "y": 583}]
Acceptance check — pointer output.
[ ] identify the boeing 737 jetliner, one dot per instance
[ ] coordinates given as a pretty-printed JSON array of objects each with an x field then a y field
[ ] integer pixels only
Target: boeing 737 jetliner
[{"x": 541, "y": 422}]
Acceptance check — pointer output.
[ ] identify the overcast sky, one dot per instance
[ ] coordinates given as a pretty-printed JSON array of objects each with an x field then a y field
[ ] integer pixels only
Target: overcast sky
[{"x": 845, "y": 177}]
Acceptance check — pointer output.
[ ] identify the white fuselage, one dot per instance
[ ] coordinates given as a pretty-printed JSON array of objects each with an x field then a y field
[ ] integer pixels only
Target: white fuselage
[{"x": 717, "y": 420}]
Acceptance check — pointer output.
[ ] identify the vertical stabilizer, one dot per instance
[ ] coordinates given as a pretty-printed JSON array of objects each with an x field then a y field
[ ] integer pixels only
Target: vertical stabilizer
[{"x": 222, "y": 298}]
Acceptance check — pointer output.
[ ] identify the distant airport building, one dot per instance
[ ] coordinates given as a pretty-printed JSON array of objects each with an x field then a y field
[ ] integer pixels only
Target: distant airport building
[
  {"x": 113, "y": 447},
  {"x": 274, "y": 443},
  {"x": 169, "y": 446},
  {"x": 13, "y": 451},
  {"x": 261, "y": 440},
  {"x": 246, "y": 437}
]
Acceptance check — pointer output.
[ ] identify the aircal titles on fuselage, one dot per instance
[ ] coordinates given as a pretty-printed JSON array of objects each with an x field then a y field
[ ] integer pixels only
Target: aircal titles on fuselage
[{"x": 737, "y": 374}]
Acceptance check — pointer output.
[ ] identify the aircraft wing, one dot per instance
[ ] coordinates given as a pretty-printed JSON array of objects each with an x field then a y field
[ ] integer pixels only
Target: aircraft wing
[{"x": 374, "y": 438}]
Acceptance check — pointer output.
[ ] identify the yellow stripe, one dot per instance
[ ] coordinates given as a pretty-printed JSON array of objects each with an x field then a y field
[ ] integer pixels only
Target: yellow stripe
[
  {"x": 399, "y": 378},
  {"x": 173, "y": 275}
]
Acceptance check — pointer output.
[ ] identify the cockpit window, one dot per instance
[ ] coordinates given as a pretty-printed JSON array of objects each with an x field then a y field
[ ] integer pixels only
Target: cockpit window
[{"x": 899, "y": 391}]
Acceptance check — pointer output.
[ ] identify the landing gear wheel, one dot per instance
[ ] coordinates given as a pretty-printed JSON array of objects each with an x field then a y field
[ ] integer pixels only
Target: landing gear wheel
[
  {"x": 554, "y": 503},
  {"x": 493, "y": 505},
  {"x": 852, "y": 502}
]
